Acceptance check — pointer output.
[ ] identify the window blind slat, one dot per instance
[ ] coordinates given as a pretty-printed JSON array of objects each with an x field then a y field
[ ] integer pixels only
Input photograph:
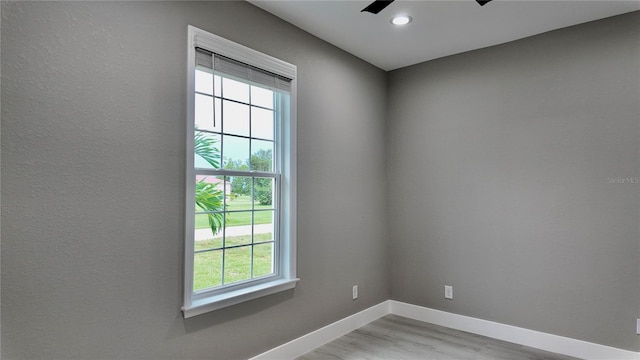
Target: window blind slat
[
  {"x": 240, "y": 70},
  {"x": 204, "y": 58}
]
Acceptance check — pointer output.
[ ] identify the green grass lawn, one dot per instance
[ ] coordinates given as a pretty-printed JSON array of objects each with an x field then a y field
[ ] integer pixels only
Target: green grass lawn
[
  {"x": 237, "y": 261},
  {"x": 240, "y": 218}
]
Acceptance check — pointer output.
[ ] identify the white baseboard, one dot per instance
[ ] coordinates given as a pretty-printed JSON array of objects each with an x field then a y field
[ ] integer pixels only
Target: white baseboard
[
  {"x": 543, "y": 341},
  {"x": 304, "y": 344},
  {"x": 535, "y": 339}
]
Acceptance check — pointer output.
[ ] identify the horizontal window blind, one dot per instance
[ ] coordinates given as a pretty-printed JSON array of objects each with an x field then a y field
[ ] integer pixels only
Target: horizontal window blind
[{"x": 240, "y": 70}]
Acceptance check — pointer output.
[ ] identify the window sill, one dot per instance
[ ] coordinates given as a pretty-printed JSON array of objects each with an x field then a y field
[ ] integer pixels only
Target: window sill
[{"x": 216, "y": 302}]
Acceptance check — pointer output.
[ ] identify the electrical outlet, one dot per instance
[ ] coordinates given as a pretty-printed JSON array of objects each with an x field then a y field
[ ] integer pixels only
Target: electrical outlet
[
  {"x": 355, "y": 292},
  {"x": 448, "y": 292}
]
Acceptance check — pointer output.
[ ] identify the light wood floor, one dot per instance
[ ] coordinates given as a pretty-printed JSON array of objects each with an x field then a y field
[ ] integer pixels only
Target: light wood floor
[{"x": 399, "y": 338}]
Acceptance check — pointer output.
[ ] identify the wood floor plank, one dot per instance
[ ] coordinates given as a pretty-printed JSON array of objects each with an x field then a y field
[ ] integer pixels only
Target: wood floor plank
[{"x": 397, "y": 338}]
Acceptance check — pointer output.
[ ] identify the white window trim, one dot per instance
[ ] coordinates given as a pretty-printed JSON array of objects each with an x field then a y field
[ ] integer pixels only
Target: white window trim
[{"x": 196, "y": 304}]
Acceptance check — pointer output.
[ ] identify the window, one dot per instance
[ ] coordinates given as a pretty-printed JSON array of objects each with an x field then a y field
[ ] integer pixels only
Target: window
[{"x": 240, "y": 174}]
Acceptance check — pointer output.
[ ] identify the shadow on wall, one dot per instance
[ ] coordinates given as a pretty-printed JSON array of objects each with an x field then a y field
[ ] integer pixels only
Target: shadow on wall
[{"x": 182, "y": 326}]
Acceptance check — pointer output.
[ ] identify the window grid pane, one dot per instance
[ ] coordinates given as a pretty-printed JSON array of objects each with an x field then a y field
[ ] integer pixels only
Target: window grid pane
[
  {"x": 262, "y": 259},
  {"x": 207, "y": 270},
  {"x": 237, "y": 264}
]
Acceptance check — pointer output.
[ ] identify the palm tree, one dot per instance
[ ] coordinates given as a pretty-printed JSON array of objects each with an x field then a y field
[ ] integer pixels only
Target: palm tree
[{"x": 208, "y": 197}]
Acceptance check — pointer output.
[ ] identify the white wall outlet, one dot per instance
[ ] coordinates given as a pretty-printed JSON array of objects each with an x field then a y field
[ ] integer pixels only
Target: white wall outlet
[
  {"x": 355, "y": 292},
  {"x": 448, "y": 292},
  {"x": 638, "y": 326}
]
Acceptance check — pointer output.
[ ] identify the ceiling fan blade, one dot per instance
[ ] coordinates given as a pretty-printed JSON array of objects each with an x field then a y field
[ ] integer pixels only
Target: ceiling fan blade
[
  {"x": 482, "y": 2},
  {"x": 377, "y": 6}
]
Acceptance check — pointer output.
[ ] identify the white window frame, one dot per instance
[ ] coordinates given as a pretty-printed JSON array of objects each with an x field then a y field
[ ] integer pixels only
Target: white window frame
[{"x": 196, "y": 303}]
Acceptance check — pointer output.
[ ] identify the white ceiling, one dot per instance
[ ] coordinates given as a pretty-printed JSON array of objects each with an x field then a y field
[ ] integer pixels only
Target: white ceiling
[{"x": 439, "y": 28}]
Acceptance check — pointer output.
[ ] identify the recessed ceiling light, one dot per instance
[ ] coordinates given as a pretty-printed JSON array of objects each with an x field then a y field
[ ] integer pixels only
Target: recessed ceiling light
[{"x": 401, "y": 20}]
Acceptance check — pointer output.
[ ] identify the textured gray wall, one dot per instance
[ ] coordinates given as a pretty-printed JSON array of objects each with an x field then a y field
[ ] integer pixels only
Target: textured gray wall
[
  {"x": 499, "y": 163},
  {"x": 93, "y": 137}
]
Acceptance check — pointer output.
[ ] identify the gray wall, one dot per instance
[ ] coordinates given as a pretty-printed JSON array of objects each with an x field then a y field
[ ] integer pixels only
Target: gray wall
[
  {"x": 499, "y": 161},
  {"x": 93, "y": 149}
]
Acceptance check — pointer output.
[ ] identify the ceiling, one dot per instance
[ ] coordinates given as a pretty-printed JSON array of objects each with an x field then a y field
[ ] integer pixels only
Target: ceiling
[{"x": 439, "y": 28}]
